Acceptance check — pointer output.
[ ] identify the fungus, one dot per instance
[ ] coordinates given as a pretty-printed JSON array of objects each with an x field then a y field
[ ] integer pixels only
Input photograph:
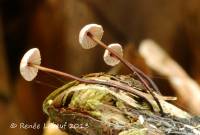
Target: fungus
[
  {"x": 85, "y": 41},
  {"x": 30, "y": 64},
  {"x": 86, "y": 33},
  {"x": 32, "y": 56},
  {"x": 109, "y": 58}
]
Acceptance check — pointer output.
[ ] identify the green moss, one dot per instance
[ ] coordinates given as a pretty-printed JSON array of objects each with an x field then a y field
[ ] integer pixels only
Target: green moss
[
  {"x": 97, "y": 114},
  {"x": 87, "y": 99}
]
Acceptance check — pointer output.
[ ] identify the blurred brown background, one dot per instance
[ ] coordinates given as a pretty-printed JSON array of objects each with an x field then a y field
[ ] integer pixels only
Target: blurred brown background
[{"x": 53, "y": 26}]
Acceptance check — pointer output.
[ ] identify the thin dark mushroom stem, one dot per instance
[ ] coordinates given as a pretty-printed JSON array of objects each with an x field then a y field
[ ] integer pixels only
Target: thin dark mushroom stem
[
  {"x": 111, "y": 84},
  {"x": 135, "y": 70}
]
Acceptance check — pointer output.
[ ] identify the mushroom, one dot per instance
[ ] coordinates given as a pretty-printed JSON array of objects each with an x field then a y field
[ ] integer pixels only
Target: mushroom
[
  {"x": 30, "y": 64},
  {"x": 147, "y": 48},
  {"x": 91, "y": 35},
  {"x": 31, "y": 57},
  {"x": 85, "y": 41},
  {"x": 88, "y": 34},
  {"x": 109, "y": 58}
]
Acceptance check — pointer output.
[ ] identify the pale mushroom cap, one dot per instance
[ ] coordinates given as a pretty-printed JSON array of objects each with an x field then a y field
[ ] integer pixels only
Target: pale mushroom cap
[
  {"x": 111, "y": 59},
  {"x": 33, "y": 57},
  {"x": 148, "y": 47},
  {"x": 85, "y": 41},
  {"x": 155, "y": 56}
]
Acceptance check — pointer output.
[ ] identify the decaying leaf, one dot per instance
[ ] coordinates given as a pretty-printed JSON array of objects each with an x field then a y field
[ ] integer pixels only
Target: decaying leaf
[{"x": 93, "y": 109}]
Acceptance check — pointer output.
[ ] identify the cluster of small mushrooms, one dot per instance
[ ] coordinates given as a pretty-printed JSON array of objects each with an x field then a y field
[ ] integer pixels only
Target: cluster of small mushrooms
[{"x": 89, "y": 37}]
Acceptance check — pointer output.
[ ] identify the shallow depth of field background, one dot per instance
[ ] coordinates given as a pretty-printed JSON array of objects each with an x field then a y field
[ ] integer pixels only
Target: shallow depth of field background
[{"x": 53, "y": 27}]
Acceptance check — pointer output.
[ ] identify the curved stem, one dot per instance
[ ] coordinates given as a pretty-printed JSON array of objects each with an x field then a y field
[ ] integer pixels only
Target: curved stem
[
  {"x": 111, "y": 84},
  {"x": 135, "y": 70}
]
